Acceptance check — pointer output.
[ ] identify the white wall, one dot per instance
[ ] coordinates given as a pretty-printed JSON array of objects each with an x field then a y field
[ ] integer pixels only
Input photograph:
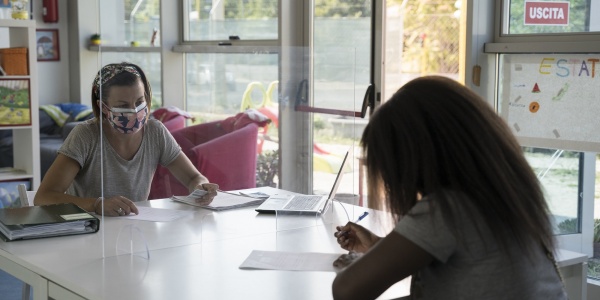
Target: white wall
[{"x": 53, "y": 76}]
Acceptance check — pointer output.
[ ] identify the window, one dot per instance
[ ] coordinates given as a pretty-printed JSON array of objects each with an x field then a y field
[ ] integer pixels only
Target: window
[
  {"x": 558, "y": 172},
  {"x": 209, "y": 20},
  {"x": 129, "y": 31},
  {"x": 149, "y": 62},
  {"x": 546, "y": 17},
  {"x": 594, "y": 262},
  {"x": 561, "y": 105},
  {"x": 219, "y": 83}
]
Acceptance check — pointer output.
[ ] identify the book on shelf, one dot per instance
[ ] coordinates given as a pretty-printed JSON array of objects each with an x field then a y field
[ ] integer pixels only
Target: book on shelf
[
  {"x": 11, "y": 170},
  {"x": 33, "y": 222}
]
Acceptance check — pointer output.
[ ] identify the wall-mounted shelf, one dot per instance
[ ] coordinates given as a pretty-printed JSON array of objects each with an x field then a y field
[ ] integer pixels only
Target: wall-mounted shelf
[{"x": 97, "y": 48}]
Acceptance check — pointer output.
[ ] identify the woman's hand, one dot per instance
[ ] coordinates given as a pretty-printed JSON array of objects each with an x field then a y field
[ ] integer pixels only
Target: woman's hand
[
  {"x": 346, "y": 259},
  {"x": 115, "y": 206},
  {"x": 211, "y": 192},
  {"x": 355, "y": 238}
]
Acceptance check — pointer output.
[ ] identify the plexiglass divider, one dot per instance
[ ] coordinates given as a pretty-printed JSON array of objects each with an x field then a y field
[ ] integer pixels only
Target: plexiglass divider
[
  {"x": 131, "y": 241},
  {"x": 335, "y": 80},
  {"x": 234, "y": 224}
]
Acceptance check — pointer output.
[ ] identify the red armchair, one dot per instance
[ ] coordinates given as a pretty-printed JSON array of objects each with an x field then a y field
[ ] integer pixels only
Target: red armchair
[
  {"x": 225, "y": 154},
  {"x": 172, "y": 117}
]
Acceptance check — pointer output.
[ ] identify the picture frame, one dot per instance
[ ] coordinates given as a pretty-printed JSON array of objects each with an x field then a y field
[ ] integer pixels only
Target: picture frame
[
  {"x": 47, "y": 48},
  {"x": 15, "y": 102},
  {"x": 9, "y": 193}
]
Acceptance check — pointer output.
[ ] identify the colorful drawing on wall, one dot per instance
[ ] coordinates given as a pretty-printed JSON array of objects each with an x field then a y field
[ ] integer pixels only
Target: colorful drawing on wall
[
  {"x": 15, "y": 106},
  {"x": 47, "y": 45}
]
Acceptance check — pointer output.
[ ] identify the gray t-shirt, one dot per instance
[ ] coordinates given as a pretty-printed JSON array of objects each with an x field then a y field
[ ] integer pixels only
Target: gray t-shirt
[
  {"x": 471, "y": 267},
  {"x": 128, "y": 178}
]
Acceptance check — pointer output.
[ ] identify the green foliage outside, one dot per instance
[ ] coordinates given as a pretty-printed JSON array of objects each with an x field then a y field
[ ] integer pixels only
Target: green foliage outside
[
  {"x": 343, "y": 8},
  {"x": 431, "y": 39},
  {"x": 260, "y": 9},
  {"x": 267, "y": 167},
  {"x": 596, "y": 238},
  {"x": 146, "y": 11},
  {"x": 594, "y": 268},
  {"x": 568, "y": 226}
]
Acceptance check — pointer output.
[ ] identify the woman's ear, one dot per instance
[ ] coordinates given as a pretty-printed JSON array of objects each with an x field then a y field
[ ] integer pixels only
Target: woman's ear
[{"x": 102, "y": 108}]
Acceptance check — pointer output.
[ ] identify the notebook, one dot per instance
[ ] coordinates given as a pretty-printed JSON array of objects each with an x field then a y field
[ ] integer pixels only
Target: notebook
[
  {"x": 302, "y": 203},
  {"x": 45, "y": 221}
]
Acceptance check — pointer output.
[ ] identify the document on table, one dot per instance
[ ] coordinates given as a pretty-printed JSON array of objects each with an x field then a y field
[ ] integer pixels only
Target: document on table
[
  {"x": 159, "y": 214},
  {"x": 290, "y": 261},
  {"x": 222, "y": 201}
]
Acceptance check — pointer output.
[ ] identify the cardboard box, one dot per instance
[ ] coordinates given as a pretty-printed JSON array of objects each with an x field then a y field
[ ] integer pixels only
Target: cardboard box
[{"x": 14, "y": 61}]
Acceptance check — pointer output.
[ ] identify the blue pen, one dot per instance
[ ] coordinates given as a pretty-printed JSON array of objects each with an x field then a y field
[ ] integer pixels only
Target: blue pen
[
  {"x": 365, "y": 214},
  {"x": 362, "y": 216}
]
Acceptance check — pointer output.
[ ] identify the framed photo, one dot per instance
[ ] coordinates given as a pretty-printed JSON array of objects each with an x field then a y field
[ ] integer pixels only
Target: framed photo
[
  {"x": 47, "y": 44},
  {"x": 15, "y": 105},
  {"x": 9, "y": 193}
]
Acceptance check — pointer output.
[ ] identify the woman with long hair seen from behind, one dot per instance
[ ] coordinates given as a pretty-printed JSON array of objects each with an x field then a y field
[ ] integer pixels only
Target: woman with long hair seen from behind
[{"x": 471, "y": 218}]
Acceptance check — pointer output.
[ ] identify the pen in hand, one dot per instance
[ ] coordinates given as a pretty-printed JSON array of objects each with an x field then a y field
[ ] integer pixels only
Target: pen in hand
[{"x": 362, "y": 216}]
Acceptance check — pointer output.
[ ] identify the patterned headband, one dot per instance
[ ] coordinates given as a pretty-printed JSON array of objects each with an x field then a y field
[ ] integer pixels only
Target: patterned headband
[{"x": 108, "y": 72}]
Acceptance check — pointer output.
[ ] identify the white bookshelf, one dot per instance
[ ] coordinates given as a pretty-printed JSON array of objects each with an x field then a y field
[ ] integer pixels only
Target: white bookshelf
[{"x": 26, "y": 139}]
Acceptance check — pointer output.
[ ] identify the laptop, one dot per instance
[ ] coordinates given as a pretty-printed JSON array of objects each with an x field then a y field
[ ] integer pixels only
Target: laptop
[{"x": 303, "y": 203}]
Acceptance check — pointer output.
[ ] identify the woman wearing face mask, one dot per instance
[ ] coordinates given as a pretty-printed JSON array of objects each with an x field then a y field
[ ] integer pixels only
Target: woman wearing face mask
[{"x": 132, "y": 144}]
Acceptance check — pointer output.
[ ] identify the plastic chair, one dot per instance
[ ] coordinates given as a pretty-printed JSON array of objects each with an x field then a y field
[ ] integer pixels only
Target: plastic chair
[
  {"x": 266, "y": 107},
  {"x": 225, "y": 156}
]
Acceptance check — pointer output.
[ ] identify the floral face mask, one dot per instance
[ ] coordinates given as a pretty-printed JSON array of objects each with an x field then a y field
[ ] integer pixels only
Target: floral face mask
[{"x": 126, "y": 120}]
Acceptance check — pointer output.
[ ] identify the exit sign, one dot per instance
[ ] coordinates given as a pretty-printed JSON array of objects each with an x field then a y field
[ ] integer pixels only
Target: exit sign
[{"x": 546, "y": 13}]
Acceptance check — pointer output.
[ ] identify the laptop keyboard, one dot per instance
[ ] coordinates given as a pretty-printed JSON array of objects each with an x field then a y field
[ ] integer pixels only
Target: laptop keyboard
[{"x": 303, "y": 202}]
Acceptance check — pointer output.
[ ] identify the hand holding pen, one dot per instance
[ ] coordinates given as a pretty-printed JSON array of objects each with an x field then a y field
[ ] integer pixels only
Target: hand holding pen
[
  {"x": 362, "y": 216},
  {"x": 354, "y": 237}
]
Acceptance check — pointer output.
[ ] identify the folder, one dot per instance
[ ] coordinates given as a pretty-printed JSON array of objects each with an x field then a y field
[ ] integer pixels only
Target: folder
[{"x": 33, "y": 222}]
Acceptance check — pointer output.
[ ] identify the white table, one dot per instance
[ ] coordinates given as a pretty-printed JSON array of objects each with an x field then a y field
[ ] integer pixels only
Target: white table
[
  {"x": 196, "y": 257},
  {"x": 573, "y": 268}
]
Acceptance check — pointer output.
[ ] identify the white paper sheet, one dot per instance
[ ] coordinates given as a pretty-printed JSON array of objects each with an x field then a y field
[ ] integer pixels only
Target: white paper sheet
[
  {"x": 158, "y": 214},
  {"x": 222, "y": 201},
  {"x": 290, "y": 261}
]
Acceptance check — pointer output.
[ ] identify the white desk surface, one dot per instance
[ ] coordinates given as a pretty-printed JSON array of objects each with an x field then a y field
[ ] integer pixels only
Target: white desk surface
[
  {"x": 196, "y": 257},
  {"x": 566, "y": 258}
]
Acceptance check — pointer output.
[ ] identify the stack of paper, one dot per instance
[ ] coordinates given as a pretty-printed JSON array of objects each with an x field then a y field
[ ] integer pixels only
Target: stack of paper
[{"x": 222, "y": 201}]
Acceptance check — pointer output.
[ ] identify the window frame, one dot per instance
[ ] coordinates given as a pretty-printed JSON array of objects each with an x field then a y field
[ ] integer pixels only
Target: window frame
[
  {"x": 552, "y": 43},
  {"x": 585, "y": 42}
]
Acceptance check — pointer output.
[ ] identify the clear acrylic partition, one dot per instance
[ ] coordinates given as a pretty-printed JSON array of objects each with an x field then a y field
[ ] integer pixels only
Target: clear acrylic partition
[{"x": 318, "y": 120}]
